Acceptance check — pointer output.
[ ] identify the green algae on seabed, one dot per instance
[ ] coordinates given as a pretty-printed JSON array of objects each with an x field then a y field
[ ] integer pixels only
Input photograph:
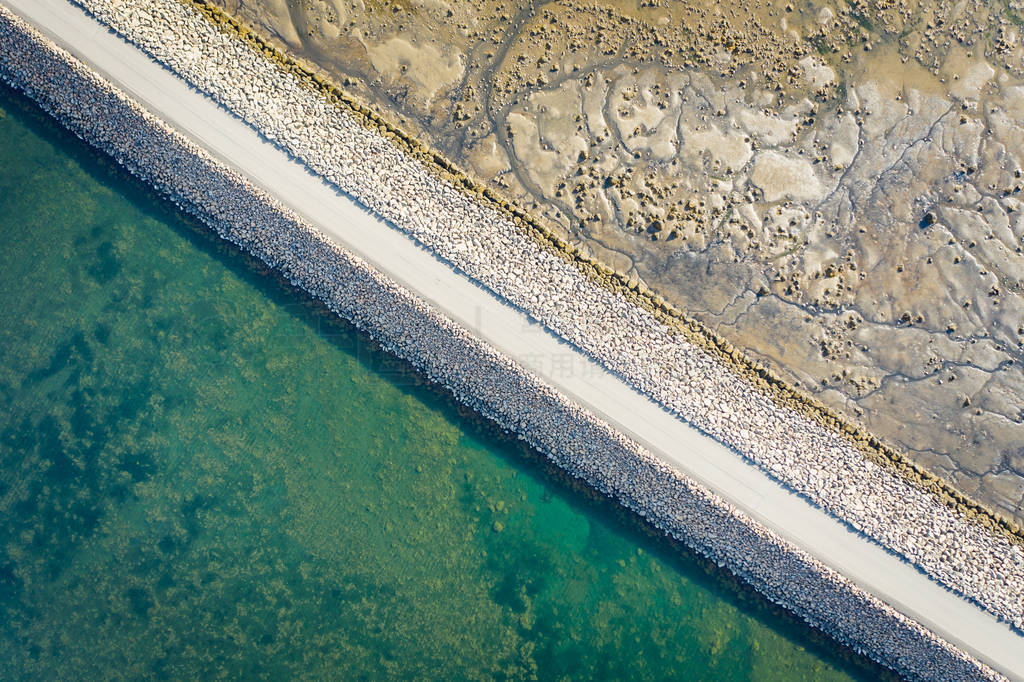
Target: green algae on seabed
[{"x": 202, "y": 475}]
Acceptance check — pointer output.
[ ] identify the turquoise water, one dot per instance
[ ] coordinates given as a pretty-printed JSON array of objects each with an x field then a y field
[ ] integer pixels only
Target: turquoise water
[{"x": 202, "y": 475}]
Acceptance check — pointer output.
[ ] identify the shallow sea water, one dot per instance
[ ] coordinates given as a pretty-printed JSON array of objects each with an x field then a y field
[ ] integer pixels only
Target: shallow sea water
[{"x": 202, "y": 475}]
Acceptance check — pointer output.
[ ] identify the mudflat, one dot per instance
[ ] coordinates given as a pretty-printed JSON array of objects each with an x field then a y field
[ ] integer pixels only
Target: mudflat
[{"x": 832, "y": 187}]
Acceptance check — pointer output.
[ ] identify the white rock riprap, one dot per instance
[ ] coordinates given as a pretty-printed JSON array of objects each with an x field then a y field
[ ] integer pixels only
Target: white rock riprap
[
  {"x": 813, "y": 460},
  {"x": 474, "y": 373}
]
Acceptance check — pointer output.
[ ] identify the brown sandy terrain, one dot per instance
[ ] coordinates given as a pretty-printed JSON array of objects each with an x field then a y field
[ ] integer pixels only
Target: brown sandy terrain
[{"x": 834, "y": 188}]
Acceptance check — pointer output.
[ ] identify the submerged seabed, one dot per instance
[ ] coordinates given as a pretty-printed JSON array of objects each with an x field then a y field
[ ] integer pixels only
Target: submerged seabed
[{"x": 202, "y": 474}]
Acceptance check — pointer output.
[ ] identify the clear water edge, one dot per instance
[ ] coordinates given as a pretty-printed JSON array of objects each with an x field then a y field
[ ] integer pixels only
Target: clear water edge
[{"x": 203, "y": 474}]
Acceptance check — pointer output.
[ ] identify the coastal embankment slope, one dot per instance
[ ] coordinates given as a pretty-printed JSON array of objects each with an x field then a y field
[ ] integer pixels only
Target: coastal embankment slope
[
  {"x": 696, "y": 376},
  {"x": 516, "y": 335}
]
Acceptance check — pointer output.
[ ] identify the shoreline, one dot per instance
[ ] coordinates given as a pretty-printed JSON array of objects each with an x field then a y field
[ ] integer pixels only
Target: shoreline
[
  {"x": 818, "y": 463},
  {"x": 577, "y": 441},
  {"x": 513, "y": 449}
]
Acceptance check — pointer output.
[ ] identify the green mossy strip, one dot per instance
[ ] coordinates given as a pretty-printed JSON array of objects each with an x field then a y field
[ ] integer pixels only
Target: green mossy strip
[{"x": 637, "y": 293}]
